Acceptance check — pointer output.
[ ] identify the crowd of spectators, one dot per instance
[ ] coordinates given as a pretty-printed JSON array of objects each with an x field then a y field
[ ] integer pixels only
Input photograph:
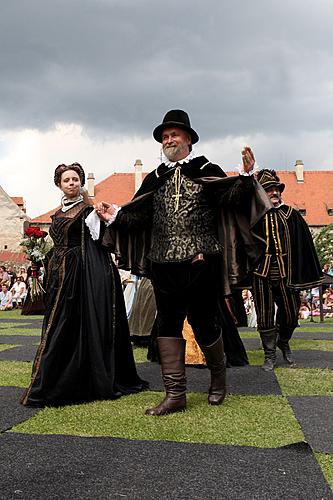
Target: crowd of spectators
[{"x": 14, "y": 286}]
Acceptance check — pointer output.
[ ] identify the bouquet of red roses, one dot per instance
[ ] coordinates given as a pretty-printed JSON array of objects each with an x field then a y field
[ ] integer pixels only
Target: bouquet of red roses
[
  {"x": 35, "y": 244},
  {"x": 35, "y": 247}
]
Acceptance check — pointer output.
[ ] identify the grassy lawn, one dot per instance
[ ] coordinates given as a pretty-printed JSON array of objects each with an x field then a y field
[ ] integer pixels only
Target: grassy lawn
[
  {"x": 15, "y": 373},
  {"x": 16, "y": 314},
  {"x": 305, "y": 381},
  {"x": 27, "y": 332},
  {"x": 325, "y": 461},
  {"x": 241, "y": 420},
  {"x": 6, "y": 325},
  {"x": 305, "y": 344}
]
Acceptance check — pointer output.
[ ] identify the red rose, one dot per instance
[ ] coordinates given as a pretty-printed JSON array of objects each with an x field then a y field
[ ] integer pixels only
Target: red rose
[
  {"x": 38, "y": 233},
  {"x": 30, "y": 231}
]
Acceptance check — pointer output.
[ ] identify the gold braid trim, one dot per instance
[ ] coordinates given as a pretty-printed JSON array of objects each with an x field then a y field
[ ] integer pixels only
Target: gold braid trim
[{"x": 177, "y": 180}]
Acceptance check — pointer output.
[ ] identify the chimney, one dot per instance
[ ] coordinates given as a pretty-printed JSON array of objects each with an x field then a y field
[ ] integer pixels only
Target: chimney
[
  {"x": 299, "y": 170},
  {"x": 91, "y": 185},
  {"x": 138, "y": 174}
]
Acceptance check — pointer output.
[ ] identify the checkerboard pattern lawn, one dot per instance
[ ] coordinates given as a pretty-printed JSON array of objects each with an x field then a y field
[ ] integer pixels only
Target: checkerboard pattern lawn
[{"x": 278, "y": 425}]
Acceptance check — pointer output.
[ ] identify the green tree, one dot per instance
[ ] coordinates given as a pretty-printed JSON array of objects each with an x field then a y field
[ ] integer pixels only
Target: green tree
[{"x": 324, "y": 244}]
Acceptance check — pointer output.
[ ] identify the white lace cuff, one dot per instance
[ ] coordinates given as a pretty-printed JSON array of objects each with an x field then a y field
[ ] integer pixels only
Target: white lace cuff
[
  {"x": 93, "y": 222},
  {"x": 114, "y": 216},
  {"x": 254, "y": 170}
]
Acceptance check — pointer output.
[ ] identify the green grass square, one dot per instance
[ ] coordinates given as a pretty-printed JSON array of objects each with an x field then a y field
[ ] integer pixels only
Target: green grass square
[
  {"x": 311, "y": 345},
  {"x": 325, "y": 461},
  {"x": 15, "y": 373},
  {"x": 241, "y": 420},
  {"x": 305, "y": 381},
  {"x": 26, "y": 332}
]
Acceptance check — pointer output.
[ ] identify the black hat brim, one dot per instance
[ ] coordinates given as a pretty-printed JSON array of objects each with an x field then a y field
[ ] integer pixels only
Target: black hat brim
[
  {"x": 279, "y": 185},
  {"x": 157, "y": 134}
]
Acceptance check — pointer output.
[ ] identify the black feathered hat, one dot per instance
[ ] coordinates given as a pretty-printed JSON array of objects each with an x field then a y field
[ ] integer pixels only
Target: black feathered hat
[
  {"x": 175, "y": 118},
  {"x": 268, "y": 178}
]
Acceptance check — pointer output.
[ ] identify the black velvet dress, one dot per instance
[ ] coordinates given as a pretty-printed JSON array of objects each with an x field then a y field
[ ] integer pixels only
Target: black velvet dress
[{"x": 85, "y": 351}]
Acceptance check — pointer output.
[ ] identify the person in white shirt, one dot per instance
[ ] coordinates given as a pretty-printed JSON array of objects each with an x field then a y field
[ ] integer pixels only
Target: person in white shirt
[
  {"x": 19, "y": 292},
  {"x": 5, "y": 299}
]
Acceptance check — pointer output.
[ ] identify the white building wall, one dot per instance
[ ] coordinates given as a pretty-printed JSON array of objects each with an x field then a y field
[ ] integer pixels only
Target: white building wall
[{"x": 12, "y": 223}]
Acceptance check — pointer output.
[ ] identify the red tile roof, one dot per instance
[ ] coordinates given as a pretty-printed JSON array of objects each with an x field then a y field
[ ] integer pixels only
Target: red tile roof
[
  {"x": 13, "y": 257},
  {"x": 117, "y": 188},
  {"x": 315, "y": 194},
  {"x": 18, "y": 200}
]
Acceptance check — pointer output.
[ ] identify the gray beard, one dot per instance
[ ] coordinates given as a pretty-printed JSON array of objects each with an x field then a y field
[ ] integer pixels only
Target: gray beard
[{"x": 172, "y": 152}]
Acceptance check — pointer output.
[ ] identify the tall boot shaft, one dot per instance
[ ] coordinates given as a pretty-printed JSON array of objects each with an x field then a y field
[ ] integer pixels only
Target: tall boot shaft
[
  {"x": 215, "y": 360},
  {"x": 268, "y": 339},
  {"x": 284, "y": 334},
  {"x": 172, "y": 356}
]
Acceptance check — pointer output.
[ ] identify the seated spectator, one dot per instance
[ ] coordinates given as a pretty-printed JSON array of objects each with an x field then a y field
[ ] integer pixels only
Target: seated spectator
[
  {"x": 328, "y": 298},
  {"x": 304, "y": 312},
  {"x": 11, "y": 275},
  {"x": 5, "y": 299},
  {"x": 19, "y": 292},
  {"x": 23, "y": 273},
  {"x": 4, "y": 278}
]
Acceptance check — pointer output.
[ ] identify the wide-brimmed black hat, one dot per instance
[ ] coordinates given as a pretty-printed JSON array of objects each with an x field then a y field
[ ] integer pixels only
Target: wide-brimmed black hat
[
  {"x": 268, "y": 178},
  {"x": 175, "y": 118}
]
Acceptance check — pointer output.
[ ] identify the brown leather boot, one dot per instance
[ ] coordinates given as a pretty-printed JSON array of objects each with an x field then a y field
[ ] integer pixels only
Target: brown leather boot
[
  {"x": 268, "y": 339},
  {"x": 214, "y": 355},
  {"x": 172, "y": 356}
]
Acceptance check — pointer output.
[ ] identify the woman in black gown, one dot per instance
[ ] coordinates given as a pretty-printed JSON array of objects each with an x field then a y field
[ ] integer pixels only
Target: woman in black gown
[{"x": 85, "y": 351}]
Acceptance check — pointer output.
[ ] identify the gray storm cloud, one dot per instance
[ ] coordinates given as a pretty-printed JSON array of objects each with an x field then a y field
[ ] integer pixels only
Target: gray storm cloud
[{"x": 116, "y": 66}]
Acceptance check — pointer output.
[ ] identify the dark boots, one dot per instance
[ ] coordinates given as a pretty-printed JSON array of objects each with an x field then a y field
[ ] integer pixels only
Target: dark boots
[
  {"x": 214, "y": 355},
  {"x": 283, "y": 343},
  {"x": 268, "y": 339},
  {"x": 172, "y": 356}
]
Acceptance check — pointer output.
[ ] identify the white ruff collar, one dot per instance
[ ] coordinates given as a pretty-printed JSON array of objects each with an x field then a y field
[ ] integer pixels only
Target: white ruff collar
[
  {"x": 171, "y": 164},
  {"x": 68, "y": 203}
]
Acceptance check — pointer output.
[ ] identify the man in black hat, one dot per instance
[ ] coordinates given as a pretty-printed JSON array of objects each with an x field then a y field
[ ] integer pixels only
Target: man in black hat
[
  {"x": 288, "y": 263},
  {"x": 172, "y": 232}
]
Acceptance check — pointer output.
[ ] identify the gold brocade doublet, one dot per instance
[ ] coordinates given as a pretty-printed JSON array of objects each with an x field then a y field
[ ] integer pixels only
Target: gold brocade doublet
[{"x": 183, "y": 221}]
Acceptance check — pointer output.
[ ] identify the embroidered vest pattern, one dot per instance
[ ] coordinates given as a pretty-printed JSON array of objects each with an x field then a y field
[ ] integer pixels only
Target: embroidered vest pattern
[{"x": 183, "y": 221}]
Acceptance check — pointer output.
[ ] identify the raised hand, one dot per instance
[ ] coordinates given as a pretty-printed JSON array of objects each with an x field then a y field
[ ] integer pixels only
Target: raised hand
[{"x": 248, "y": 159}]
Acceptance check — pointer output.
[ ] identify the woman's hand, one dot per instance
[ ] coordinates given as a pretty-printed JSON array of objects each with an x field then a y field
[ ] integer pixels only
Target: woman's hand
[{"x": 105, "y": 211}]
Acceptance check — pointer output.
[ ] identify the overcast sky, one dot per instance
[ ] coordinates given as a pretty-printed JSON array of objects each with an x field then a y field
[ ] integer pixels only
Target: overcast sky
[{"x": 88, "y": 80}]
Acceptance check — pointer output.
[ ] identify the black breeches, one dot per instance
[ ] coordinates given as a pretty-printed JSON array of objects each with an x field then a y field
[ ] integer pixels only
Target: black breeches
[
  {"x": 188, "y": 290},
  {"x": 267, "y": 293}
]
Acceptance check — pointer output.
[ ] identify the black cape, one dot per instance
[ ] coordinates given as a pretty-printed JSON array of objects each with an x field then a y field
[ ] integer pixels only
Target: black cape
[
  {"x": 130, "y": 237},
  {"x": 301, "y": 262}
]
